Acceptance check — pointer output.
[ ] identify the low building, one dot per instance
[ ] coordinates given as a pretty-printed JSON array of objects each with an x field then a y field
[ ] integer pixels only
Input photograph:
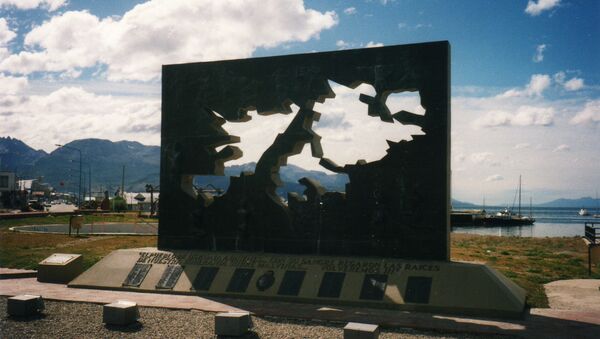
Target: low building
[
  {"x": 8, "y": 189},
  {"x": 140, "y": 201},
  {"x": 7, "y": 182}
]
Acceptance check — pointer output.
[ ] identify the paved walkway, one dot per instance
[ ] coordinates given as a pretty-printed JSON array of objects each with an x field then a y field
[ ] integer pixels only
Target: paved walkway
[
  {"x": 575, "y": 294},
  {"x": 549, "y": 323}
]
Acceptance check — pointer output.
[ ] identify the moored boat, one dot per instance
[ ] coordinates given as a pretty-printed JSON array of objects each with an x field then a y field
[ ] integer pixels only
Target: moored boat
[{"x": 507, "y": 218}]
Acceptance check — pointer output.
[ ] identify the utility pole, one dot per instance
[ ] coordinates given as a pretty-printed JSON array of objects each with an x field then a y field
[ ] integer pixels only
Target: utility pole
[
  {"x": 90, "y": 181},
  {"x": 123, "y": 183},
  {"x": 80, "y": 172}
]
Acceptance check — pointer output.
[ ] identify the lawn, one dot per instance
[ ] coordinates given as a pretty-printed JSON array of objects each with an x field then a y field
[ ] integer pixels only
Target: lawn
[{"x": 530, "y": 262}]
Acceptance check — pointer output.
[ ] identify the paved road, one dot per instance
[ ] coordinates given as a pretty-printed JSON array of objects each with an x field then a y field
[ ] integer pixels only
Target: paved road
[{"x": 63, "y": 208}]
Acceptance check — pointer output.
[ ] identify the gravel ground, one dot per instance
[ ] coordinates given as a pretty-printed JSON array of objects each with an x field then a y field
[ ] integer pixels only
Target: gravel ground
[{"x": 84, "y": 320}]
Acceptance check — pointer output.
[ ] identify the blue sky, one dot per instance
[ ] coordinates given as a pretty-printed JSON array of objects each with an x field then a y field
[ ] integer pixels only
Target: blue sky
[{"x": 525, "y": 76}]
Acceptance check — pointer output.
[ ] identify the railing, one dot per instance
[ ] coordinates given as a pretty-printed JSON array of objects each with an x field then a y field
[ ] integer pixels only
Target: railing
[{"x": 592, "y": 232}]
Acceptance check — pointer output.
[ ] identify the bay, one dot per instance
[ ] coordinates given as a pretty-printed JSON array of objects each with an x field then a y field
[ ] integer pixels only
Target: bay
[{"x": 550, "y": 222}]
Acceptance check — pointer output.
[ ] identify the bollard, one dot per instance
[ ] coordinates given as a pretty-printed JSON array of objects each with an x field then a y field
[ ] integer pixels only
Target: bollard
[
  {"x": 361, "y": 331},
  {"x": 232, "y": 323},
  {"x": 24, "y": 305},
  {"x": 121, "y": 312}
]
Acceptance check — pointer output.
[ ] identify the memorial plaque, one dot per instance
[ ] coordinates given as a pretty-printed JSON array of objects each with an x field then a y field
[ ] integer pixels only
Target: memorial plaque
[
  {"x": 373, "y": 287},
  {"x": 170, "y": 277},
  {"x": 291, "y": 283},
  {"x": 418, "y": 290},
  {"x": 331, "y": 285},
  {"x": 240, "y": 280},
  {"x": 204, "y": 278},
  {"x": 137, "y": 275},
  {"x": 59, "y": 258}
]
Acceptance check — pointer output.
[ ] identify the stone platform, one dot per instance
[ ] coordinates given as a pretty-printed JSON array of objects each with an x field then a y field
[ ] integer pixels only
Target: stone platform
[
  {"x": 537, "y": 323},
  {"x": 427, "y": 286}
]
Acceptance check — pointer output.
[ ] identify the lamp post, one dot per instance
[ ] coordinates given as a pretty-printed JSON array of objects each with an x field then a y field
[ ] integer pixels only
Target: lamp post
[
  {"x": 80, "y": 172},
  {"x": 89, "y": 175}
]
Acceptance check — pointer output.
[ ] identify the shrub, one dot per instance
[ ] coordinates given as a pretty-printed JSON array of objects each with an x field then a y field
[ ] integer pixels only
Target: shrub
[{"x": 119, "y": 204}]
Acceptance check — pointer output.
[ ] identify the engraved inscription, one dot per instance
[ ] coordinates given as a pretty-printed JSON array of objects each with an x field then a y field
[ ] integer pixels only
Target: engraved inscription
[
  {"x": 285, "y": 263},
  {"x": 170, "y": 277},
  {"x": 137, "y": 275}
]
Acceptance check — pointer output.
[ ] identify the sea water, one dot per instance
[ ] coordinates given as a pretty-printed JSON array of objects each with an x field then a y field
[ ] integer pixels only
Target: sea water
[{"x": 549, "y": 222}]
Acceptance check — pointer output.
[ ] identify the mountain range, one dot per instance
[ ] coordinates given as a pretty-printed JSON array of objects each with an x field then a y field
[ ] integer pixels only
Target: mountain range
[{"x": 105, "y": 160}]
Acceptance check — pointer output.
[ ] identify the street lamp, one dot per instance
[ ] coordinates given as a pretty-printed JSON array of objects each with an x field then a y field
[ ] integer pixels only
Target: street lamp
[{"x": 80, "y": 172}]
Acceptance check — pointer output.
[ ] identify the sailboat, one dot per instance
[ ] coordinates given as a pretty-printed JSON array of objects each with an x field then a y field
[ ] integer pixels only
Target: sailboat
[{"x": 508, "y": 218}]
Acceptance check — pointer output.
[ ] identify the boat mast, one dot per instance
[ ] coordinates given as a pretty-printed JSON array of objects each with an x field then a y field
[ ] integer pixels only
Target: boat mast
[
  {"x": 530, "y": 207},
  {"x": 519, "y": 214}
]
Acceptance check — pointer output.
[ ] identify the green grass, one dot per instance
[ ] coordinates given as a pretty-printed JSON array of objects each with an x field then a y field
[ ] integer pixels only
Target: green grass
[
  {"x": 26, "y": 250},
  {"x": 64, "y": 219},
  {"x": 529, "y": 262}
]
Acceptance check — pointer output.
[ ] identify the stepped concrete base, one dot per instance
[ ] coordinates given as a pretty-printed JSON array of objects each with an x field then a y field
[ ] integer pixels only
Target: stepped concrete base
[
  {"x": 24, "y": 305},
  {"x": 428, "y": 286}
]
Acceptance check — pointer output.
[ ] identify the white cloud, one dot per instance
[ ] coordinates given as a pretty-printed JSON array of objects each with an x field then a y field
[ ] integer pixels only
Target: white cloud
[
  {"x": 154, "y": 33},
  {"x": 535, "y": 8},
  {"x": 12, "y": 85},
  {"x": 50, "y": 5},
  {"x": 402, "y": 25},
  {"x": 494, "y": 177},
  {"x": 574, "y": 84},
  {"x": 484, "y": 158},
  {"x": 70, "y": 113},
  {"x": 524, "y": 116},
  {"x": 532, "y": 127},
  {"x": 562, "y": 148},
  {"x": 537, "y": 85},
  {"x": 590, "y": 114},
  {"x": 345, "y": 127},
  {"x": 560, "y": 77},
  {"x": 539, "y": 53},
  {"x": 341, "y": 44},
  {"x": 6, "y": 34},
  {"x": 374, "y": 44},
  {"x": 530, "y": 116},
  {"x": 419, "y": 26},
  {"x": 350, "y": 11}
]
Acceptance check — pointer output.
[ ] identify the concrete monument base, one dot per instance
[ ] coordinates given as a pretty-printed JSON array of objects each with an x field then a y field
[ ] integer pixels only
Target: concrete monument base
[{"x": 415, "y": 285}]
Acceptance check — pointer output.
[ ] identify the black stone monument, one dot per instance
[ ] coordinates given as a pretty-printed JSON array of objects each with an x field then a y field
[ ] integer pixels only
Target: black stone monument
[{"x": 397, "y": 206}]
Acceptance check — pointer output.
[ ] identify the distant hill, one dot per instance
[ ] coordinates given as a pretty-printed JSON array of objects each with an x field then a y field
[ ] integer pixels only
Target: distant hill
[
  {"x": 585, "y": 202},
  {"x": 462, "y": 204},
  {"x": 106, "y": 158},
  {"x": 15, "y": 155},
  {"x": 289, "y": 174}
]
